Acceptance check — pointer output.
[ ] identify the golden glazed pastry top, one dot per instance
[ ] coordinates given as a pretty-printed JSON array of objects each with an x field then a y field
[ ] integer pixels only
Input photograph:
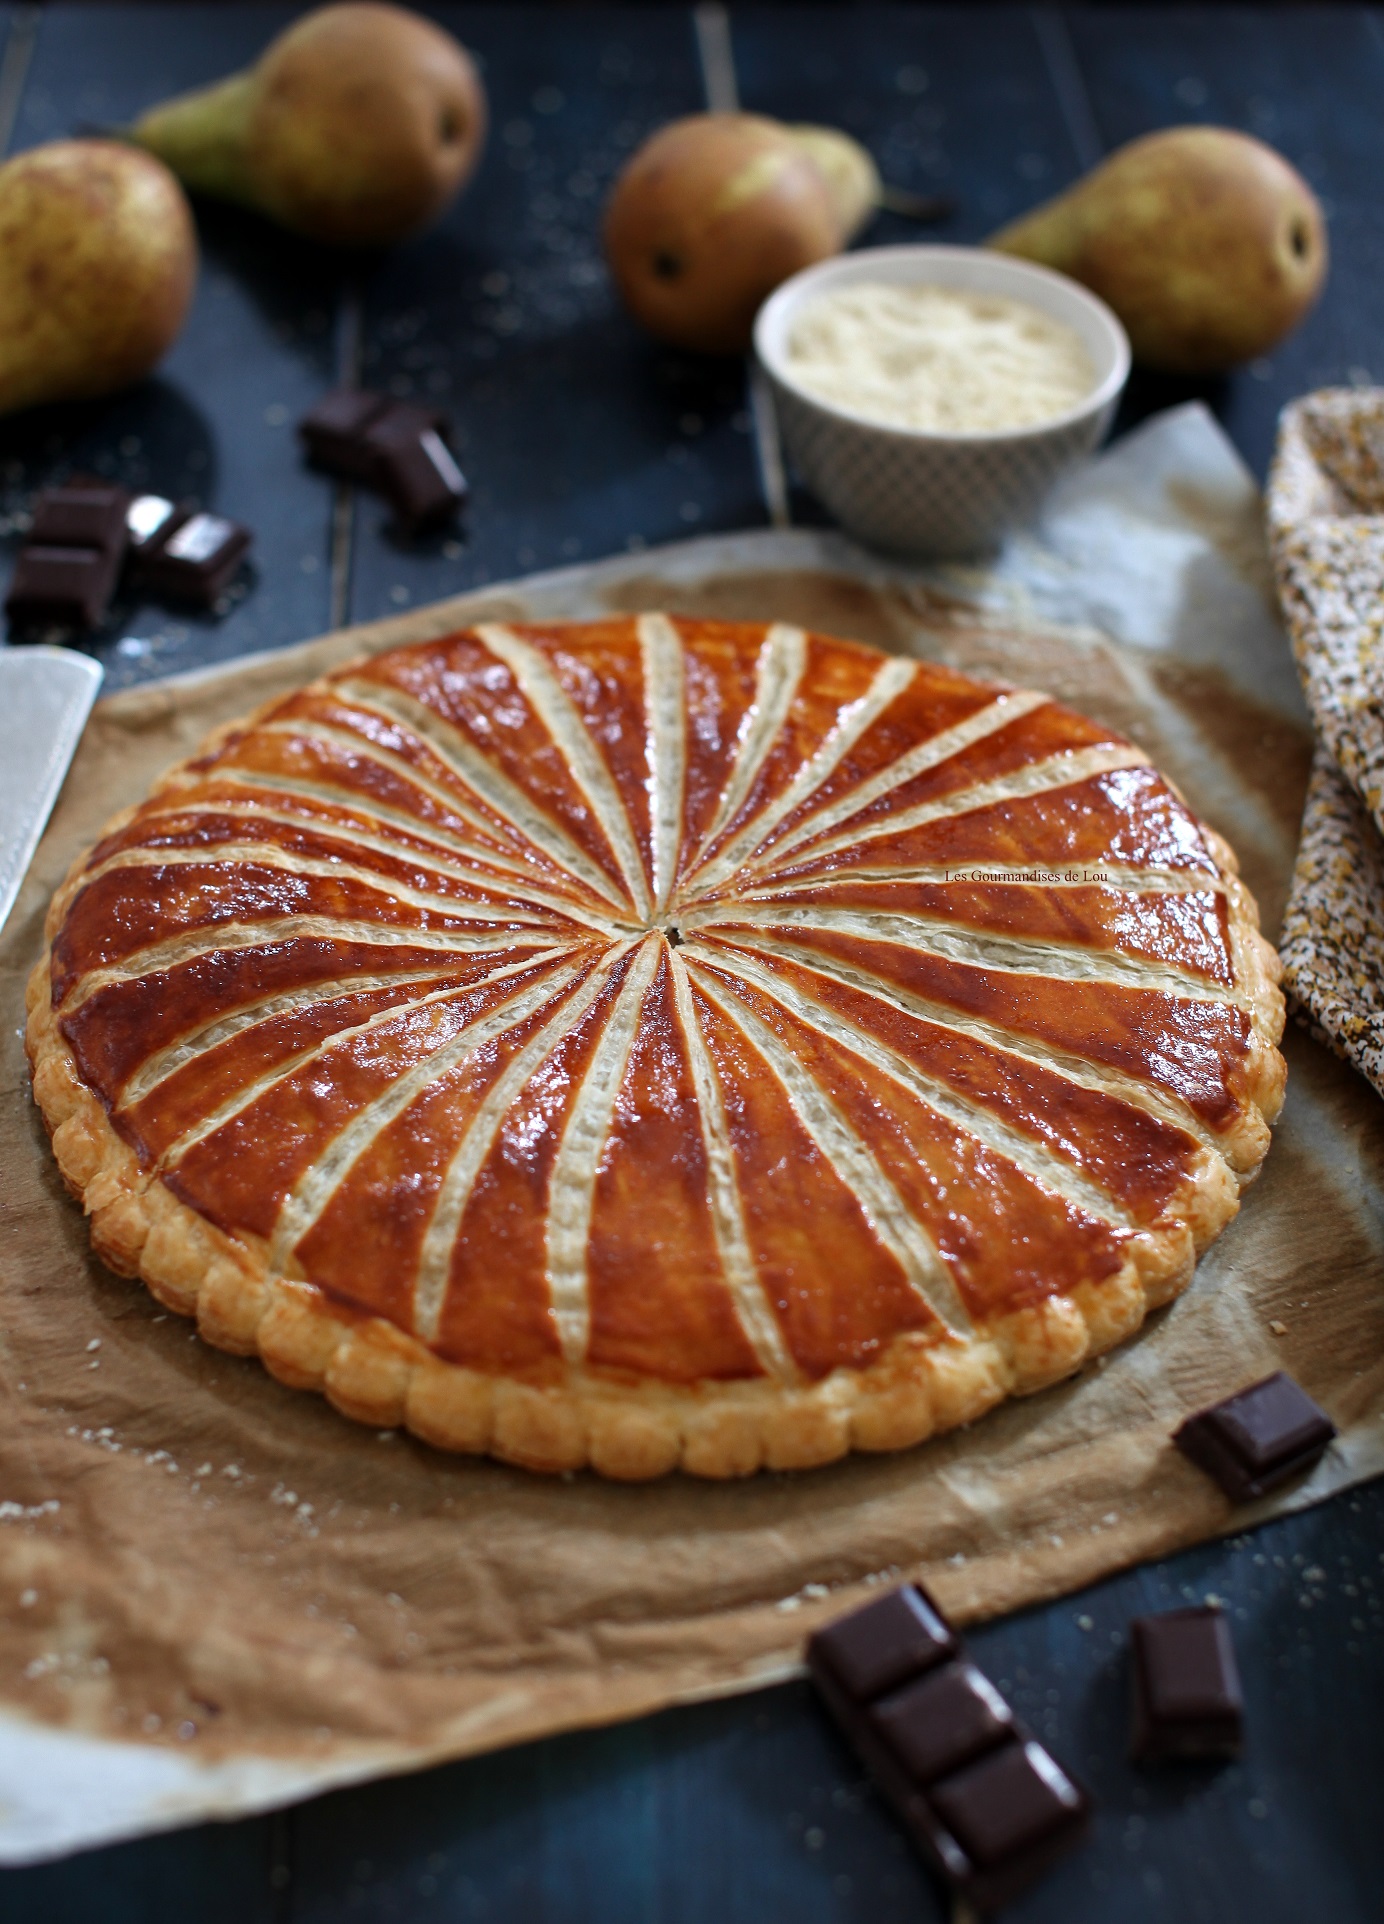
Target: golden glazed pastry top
[{"x": 656, "y": 1041}]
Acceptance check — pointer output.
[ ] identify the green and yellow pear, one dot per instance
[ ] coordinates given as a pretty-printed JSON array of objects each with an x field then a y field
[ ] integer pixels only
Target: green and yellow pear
[
  {"x": 850, "y": 173},
  {"x": 99, "y": 258},
  {"x": 715, "y": 210},
  {"x": 1206, "y": 243},
  {"x": 356, "y": 127}
]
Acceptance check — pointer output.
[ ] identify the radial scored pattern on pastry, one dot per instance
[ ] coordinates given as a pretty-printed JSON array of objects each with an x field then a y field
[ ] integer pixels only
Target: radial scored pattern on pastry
[{"x": 659, "y": 1041}]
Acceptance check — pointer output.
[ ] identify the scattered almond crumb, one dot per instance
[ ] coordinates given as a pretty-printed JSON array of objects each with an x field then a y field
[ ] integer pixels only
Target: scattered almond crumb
[{"x": 1279, "y": 1329}]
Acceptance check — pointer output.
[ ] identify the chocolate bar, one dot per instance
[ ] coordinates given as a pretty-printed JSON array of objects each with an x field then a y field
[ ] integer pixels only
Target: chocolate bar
[
  {"x": 67, "y": 569},
  {"x": 1257, "y": 1439},
  {"x": 184, "y": 554},
  {"x": 986, "y": 1804},
  {"x": 393, "y": 446},
  {"x": 1187, "y": 1697}
]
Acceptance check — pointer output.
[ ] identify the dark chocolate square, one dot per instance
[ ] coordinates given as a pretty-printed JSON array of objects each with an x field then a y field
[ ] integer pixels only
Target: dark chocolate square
[
  {"x": 1187, "y": 1696},
  {"x": 61, "y": 587},
  {"x": 1012, "y": 1802},
  {"x": 884, "y": 1644},
  {"x": 1256, "y": 1440},
  {"x": 942, "y": 1720},
  {"x": 82, "y": 514},
  {"x": 333, "y": 433},
  {"x": 1273, "y": 1421},
  {"x": 414, "y": 466},
  {"x": 402, "y": 421}
]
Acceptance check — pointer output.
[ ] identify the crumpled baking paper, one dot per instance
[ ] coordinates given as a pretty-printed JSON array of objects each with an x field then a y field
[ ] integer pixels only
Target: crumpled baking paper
[{"x": 217, "y": 1595}]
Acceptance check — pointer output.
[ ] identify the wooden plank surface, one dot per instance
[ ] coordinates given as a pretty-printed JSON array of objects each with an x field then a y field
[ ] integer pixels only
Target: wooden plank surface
[
  {"x": 575, "y": 431},
  {"x": 215, "y": 422}
]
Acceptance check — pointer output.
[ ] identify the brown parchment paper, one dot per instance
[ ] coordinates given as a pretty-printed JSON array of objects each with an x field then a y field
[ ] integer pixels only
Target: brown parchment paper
[{"x": 194, "y": 1557}]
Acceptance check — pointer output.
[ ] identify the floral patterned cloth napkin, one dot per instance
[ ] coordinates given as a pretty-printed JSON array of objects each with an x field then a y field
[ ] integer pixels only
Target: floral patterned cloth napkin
[{"x": 1326, "y": 534}]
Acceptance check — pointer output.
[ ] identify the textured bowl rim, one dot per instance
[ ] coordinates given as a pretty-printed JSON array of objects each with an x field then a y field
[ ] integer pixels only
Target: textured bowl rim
[{"x": 1015, "y": 272}]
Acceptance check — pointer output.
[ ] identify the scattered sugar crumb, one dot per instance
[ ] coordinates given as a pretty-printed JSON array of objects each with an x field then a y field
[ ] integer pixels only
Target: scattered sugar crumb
[{"x": 10, "y": 1512}]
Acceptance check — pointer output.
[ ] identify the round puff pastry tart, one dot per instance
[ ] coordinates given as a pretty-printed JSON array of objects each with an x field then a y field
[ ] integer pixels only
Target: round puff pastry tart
[{"x": 659, "y": 1042}]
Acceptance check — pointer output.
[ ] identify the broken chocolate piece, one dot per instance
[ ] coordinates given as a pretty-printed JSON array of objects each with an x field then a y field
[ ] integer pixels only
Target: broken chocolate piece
[
  {"x": 68, "y": 588},
  {"x": 394, "y": 446},
  {"x": 943, "y": 1720},
  {"x": 81, "y": 514},
  {"x": 1187, "y": 1696},
  {"x": 985, "y": 1804},
  {"x": 1257, "y": 1439},
  {"x": 414, "y": 468},
  {"x": 70, "y": 562},
  {"x": 333, "y": 433},
  {"x": 884, "y": 1644},
  {"x": 195, "y": 561}
]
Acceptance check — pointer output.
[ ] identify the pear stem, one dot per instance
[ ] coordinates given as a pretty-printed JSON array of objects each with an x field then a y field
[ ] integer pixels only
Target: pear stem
[{"x": 923, "y": 207}]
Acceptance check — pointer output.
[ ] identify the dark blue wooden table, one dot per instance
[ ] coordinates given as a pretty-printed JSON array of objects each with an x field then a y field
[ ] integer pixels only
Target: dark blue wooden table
[{"x": 581, "y": 438}]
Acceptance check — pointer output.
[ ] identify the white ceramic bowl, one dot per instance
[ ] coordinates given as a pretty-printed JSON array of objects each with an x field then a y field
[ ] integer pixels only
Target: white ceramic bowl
[{"x": 911, "y": 491}]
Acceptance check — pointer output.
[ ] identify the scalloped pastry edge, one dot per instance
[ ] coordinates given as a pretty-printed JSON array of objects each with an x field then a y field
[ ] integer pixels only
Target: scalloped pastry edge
[{"x": 632, "y": 1431}]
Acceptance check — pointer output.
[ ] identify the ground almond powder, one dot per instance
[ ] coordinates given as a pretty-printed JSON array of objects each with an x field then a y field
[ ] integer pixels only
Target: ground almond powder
[{"x": 937, "y": 358}]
